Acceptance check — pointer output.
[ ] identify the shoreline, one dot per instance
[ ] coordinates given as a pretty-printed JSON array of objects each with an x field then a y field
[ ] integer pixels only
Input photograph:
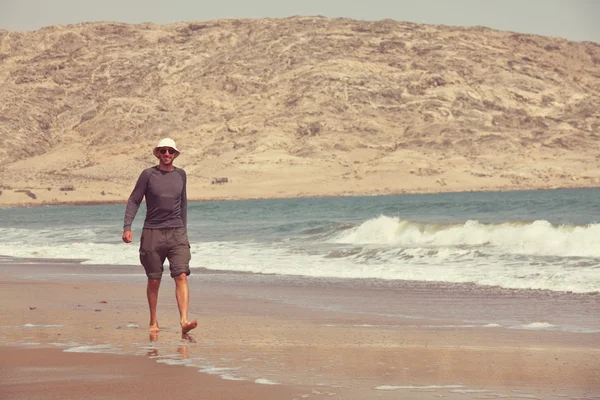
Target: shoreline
[
  {"x": 320, "y": 281},
  {"x": 344, "y": 340},
  {"x": 287, "y": 197}
]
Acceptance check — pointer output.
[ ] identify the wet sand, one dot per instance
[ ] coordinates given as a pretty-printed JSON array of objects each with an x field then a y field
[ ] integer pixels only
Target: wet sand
[
  {"x": 53, "y": 374},
  {"x": 66, "y": 330}
]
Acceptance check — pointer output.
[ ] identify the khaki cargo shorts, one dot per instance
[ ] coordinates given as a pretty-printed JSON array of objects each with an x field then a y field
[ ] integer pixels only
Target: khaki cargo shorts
[{"x": 156, "y": 245}]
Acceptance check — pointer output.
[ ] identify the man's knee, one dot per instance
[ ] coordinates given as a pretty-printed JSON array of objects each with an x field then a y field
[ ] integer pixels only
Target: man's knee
[
  {"x": 154, "y": 282},
  {"x": 182, "y": 277},
  {"x": 179, "y": 270}
]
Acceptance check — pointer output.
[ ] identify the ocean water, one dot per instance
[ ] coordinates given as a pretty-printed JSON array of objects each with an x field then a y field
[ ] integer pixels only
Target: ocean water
[{"x": 547, "y": 240}]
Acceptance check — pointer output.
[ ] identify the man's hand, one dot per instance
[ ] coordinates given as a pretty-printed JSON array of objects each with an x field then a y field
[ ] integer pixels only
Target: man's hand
[{"x": 127, "y": 236}]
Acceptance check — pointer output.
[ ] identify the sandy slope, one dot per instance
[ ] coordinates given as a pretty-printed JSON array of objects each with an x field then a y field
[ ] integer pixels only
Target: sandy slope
[{"x": 295, "y": 107}]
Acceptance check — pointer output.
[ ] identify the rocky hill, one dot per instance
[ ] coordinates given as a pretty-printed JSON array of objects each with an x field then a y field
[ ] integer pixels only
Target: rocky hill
[{"x": 295, "y": 107}]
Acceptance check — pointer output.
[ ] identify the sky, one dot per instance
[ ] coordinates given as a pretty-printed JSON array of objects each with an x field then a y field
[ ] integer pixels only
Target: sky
[{"x": 577, "y": 20}]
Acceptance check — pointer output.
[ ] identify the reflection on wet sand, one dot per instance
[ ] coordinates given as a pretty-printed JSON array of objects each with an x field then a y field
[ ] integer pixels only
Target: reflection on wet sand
[
  {"x": 187, "y": 337},
  {"x": 182, "y": 349}
]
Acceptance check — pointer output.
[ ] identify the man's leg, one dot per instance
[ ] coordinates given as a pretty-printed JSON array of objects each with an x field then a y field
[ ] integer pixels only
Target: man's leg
[
  {"x": 152, "y": 259},
  {"x": 182, "y": 294},
  {"x": 152, "y": 293}
]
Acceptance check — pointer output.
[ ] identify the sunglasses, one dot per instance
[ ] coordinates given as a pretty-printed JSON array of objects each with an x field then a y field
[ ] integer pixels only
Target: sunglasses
[{"x": 164, "y": 151}]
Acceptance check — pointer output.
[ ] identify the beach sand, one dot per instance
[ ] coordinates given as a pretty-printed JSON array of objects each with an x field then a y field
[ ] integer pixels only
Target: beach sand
[
  {"x": 53, "y": 374},
  {"x": 69, "y": 330}
]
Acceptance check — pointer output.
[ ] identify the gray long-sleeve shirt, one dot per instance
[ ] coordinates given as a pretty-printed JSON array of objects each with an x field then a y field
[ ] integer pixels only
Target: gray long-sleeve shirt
[{"x": 166, "y": 199}]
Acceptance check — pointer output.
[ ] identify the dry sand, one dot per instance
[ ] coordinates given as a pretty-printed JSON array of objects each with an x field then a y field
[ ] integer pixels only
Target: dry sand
[{"x": 334, "y": 339}]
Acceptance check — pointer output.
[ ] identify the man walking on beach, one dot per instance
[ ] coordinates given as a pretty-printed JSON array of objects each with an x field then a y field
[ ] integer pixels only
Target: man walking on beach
[{"x": 165, "y": 229}]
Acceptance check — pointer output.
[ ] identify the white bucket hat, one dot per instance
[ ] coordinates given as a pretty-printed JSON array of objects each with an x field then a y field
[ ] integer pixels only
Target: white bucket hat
[{"x": 166, "y": 142}]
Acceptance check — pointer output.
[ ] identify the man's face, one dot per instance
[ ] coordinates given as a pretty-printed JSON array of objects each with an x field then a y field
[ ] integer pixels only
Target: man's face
[{"x": 166, "y": 155}]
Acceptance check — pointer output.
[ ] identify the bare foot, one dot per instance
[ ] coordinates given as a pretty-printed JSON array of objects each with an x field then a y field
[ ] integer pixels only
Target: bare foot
[
  {"x": 188, "y": 326},
  {"x": 153, "y": 328}
]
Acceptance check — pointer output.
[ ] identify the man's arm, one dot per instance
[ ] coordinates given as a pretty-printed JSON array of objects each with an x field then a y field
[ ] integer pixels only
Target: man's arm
[
  {"x": 133, "y": 204},
  {"x": 184, "y": 200}
]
